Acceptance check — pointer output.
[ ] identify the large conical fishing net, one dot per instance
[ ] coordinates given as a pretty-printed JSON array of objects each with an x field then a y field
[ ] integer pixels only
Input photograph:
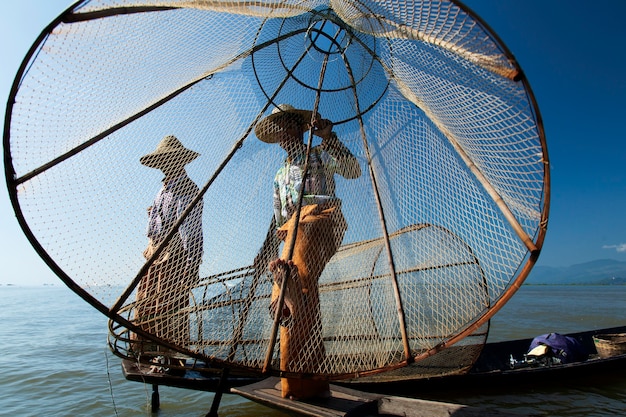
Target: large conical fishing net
[{"x": 437, "y": 222}]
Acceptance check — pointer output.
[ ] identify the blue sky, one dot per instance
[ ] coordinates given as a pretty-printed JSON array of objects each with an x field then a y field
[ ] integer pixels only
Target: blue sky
[{"x": 574, "y": 56}]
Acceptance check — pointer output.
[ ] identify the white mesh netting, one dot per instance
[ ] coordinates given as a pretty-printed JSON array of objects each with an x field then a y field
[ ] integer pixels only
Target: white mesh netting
[{"x": 439, "y": 218}]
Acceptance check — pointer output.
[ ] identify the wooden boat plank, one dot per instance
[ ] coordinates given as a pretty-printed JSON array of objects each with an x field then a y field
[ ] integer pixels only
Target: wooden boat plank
[
  {"x": 342, "y": 401},
  {"x": 347, "y": 402},
  {"x": 412, "y": 407}
]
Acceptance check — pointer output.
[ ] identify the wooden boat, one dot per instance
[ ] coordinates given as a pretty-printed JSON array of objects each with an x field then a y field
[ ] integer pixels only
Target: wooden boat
[
  {"x": 492, "y": 369},
  {"x": 501, "y": 364}
]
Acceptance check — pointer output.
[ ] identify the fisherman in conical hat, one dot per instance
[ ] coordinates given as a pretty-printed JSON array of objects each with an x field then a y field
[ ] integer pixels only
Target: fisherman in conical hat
[
  {"x": 164, "y": 291},
  {"x": 286, "y": 126},
  {"x": 319, "y": 234}
]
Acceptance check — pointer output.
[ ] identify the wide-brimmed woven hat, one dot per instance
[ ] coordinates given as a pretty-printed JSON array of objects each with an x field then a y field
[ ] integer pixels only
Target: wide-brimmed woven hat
[
  {"x": 267, "y": 128},
  {"x": 169, "y": 151}
]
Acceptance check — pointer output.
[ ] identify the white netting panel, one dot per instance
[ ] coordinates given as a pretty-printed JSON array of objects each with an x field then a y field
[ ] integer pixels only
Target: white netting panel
[{"x": 423, "y": 99}]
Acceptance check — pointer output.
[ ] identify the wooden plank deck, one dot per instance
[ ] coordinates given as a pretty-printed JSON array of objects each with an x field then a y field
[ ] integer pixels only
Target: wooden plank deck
[{"x": 346, "y": 402}]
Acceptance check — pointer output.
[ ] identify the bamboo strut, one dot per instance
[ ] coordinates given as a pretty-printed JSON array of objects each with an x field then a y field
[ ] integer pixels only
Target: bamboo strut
[{"x": 383, "y": 224}]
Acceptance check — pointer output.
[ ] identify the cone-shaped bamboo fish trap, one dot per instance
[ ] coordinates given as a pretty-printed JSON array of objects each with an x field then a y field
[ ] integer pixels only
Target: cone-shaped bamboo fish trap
[{"x": 432, "y": 215}]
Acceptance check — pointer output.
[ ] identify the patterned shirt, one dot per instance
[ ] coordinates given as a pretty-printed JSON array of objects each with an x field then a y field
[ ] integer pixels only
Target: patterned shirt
[
  {"x": 324, "y": 162},
  {"x": 169, "y": 204}
]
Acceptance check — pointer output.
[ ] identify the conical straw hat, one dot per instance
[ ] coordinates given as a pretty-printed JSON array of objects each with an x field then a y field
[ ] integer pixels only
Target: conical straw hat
[
  {"x": 170, "y": 151},
  {"x": 267, "y": 128}
]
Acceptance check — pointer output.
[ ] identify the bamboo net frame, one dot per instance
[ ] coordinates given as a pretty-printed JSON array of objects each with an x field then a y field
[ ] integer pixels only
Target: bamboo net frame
[{"x": 443, "y": 220}]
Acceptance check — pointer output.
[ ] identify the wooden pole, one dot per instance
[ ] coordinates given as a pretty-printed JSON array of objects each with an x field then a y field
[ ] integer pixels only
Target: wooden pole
[{"x": 383, "y": 223}]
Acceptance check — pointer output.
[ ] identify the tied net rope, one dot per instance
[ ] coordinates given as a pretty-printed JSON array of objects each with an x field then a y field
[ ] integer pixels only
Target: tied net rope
[{"x": 444, "y": 222}]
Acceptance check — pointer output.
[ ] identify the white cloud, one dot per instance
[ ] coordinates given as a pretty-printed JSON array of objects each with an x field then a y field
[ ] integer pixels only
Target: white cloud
[{"x": 618, "y": 248}]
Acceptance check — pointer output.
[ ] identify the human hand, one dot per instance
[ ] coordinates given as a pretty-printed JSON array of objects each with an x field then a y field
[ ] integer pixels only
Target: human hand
[{"x": 322, "y": 128}]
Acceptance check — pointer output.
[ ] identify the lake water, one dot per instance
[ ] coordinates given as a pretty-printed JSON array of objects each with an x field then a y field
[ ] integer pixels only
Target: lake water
[{"x": 55, "y": 362}]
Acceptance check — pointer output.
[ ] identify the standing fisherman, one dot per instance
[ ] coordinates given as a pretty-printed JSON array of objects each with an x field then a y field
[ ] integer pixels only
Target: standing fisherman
[
  {"x": 163, "y": 293},
  {"x": 319, "y": 234}
]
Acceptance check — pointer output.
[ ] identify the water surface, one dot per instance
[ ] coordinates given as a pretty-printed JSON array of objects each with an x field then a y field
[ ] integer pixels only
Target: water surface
[{"x": 55, "y": 361}]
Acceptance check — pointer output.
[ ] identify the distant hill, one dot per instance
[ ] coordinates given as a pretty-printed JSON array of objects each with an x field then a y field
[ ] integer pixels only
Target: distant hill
[{"x": 602, "y": 271}]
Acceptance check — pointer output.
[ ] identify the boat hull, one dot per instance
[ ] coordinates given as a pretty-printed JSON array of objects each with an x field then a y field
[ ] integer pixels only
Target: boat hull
[{"x": 492, "y": 370}]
